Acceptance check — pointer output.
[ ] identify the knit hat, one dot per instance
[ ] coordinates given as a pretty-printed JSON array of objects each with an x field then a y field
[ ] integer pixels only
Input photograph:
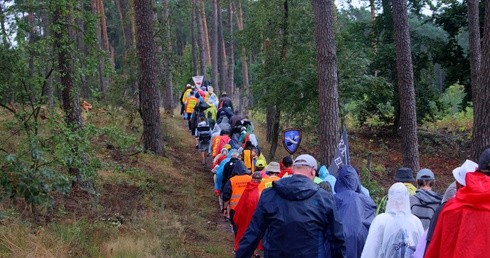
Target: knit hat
[{"x": 404, "y": 174}]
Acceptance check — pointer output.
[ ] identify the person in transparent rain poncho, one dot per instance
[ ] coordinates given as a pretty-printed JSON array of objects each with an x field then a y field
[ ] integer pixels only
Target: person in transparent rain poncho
[{"x": 396, "y": 232}]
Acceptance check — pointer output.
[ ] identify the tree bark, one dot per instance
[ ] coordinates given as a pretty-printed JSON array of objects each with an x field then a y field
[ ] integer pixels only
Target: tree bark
[
  {"x": 243, "y": 56},
  {"x": 32, "y": 32},
  {"x": 222, "y": 69},
  {"x": 214, "y": 50},
  {"x": 69, "y": 95},
  {"x": 481, "y": 119},
  {"x": 166, "y": 65},
  {"x": 323, "y": 12},
  {"x": 193, "y": 41},
  {"x": 104, "y": 80},
  {"x": 201, "y": 39},
  {"x": 408, "y": 115},
  {"x": 230, "y": 51},
  {"x": 206, "y": 34},
  {"x": 149, "y": 99},
  {"x": 275, "y": 112}
]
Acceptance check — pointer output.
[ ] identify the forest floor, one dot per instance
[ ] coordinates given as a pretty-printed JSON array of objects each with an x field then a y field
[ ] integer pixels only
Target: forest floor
[{"x": 150, "y": 206}]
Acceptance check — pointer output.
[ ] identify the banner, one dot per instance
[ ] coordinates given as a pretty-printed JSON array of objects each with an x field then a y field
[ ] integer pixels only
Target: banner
[
  {"x": 341, "y": 156},
  {"x": 291, "y": 138},
  {"x": 198, "y": 80}
]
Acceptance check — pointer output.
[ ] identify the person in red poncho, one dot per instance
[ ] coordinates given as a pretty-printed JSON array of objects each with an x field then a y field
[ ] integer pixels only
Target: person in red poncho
[
  {"x": 463, "y": 226},
  {"x": 246, "y": 206}
]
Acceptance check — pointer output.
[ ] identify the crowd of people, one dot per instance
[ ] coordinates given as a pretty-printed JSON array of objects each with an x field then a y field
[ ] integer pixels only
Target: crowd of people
[{"x": 294, "y": 208}]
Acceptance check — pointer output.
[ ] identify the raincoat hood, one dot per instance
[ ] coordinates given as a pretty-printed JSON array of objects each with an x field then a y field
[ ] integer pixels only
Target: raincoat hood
[
  {"x": 296, "y": 187},
  {"x": 225, "y": 120},
  {"x": 347, "y": 179},
  {"x": 239, "y": 169},
  {"x": 475, "y": 193},
  {"x": 398, "y": 200},
  {"x": 216, "y": 129},
  {"x": 326, "y": 176}
]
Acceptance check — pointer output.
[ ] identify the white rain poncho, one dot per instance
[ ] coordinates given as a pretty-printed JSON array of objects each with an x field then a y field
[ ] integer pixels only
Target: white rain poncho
[{"x": 395, "y": 233}]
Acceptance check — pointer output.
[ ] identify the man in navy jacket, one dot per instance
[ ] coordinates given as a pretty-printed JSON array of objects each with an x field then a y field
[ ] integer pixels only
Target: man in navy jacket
[{"x": 295, "y": 218}]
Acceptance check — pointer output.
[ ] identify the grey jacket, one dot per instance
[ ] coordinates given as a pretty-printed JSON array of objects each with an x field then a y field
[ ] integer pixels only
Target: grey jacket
[{"x": 424, "y": 204}]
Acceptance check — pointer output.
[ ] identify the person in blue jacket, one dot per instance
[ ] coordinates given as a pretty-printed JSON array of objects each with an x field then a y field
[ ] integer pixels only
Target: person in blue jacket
[
  {"x": 295, "y": 218},
  {"x": 356, "y": 210}
]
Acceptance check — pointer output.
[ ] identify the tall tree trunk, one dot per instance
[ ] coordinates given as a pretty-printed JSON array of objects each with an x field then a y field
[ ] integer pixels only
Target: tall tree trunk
[
  {"x": 104, "y": 80},
  {"x": 230, "y": 51},
  {"x": 148, "y": 92},
  {"x": 323, "y": 11},
  {"x": 481, "y": 120},
  {"x": 206, "y": 34},
  {"x": 48, "y": 97},
  {"x": 122, "y": 20},
  {"x": 243, "y": 56},
  {"x": 408, "y": 115},
  {"x": 275, "y": 114},
  {"x": 201, "y": 39},
  {"x": 32, "y": 35},
  {"x": 167, "y": 52},
  {"x": 84, "y": 87},
  {"x": 214, "y": 49},
  {"x": 222, "y": 54},
  {"x": 69, "y": 94},
  {"x": 193, "y": 41}
]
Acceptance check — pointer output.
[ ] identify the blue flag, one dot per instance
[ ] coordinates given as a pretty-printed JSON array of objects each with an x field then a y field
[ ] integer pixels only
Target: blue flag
[{"x": 341, "y": 156}]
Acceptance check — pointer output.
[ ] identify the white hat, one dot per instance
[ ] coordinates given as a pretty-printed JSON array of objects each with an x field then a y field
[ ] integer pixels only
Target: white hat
[{"x": 459, "y": 173}]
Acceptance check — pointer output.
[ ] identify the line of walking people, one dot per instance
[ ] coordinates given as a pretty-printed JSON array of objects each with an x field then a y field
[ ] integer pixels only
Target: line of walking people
[{"x": 294, "y": 208}]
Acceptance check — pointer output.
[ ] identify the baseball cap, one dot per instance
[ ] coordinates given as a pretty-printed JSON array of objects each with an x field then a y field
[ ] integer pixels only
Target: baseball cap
[
  {"x": 273, "y": 167},
  {"x": 306, "y": 160},
  {"x": 260, "y": 163},
  {"x": 425, "y": 174},
  {"x": 459, "y": 173},
  {"x": 484, "y": 161}
]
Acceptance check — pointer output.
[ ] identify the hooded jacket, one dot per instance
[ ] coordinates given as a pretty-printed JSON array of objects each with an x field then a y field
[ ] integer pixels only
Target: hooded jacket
[
  {"x": 294, "y": 216},
  {"x": 238, "y": 170},
  {"x": 463, "y": 226},
  {"x": 224, "y": 124},
  {"x": 326, "y": 176},
  {"x": 424, "y": 204},
  {"x": 218, "y": 184},
  {"x": 395, "y": 233},
  {"x": 356, "y": 210}
]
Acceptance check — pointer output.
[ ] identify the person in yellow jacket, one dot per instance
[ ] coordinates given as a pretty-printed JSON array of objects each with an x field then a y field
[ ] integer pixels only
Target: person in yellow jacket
[
  {"x": 190, "y": 103},
  {"x": 248, "y": 156},
  {"x": 183, "y": 97}
]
